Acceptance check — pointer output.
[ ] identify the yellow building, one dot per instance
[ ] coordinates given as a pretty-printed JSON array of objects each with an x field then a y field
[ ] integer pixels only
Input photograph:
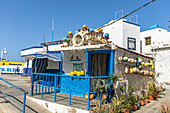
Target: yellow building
[{"x": 9, "y": 63}]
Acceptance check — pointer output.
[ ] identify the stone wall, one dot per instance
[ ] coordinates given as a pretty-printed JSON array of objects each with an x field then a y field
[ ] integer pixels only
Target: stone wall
[{"x": 133, "y": 79}]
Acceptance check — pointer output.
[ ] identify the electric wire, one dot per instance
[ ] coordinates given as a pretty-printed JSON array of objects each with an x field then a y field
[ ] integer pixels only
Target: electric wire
[{"x": 130, "y": 13}]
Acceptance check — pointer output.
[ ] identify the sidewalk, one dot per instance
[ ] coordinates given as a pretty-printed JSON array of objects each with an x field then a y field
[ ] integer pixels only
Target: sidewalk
[{"x": 154, "y": 106}]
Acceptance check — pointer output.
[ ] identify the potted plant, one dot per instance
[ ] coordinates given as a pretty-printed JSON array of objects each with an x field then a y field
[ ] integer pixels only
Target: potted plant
[
  {"x": 146, "y": 99},
  {"x": 133, "y": 102},
  {"x": 101, "y": 86},
  {"x": 151, "y": 89},
  {"x": 142, "y": 101},
  {"x": 117, "y": 105},
  {"x": 126, "y": 108}
]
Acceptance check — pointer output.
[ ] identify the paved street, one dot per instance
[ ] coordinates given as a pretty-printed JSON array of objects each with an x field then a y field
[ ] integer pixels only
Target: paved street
[
  {"x": 31, "y": 107},
  {"x": 11, "y": 107}
]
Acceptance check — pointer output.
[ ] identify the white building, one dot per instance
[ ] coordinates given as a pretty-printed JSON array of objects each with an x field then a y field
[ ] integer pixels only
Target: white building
[
  {"x": 156, "y": 43},
  {"x": 124, "y": 34}
]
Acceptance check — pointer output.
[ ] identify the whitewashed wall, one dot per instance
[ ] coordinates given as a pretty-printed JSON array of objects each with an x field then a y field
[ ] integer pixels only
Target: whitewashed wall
[
  {"x": 115, "y": 32},
  {"x": 132, "y": 31},
  {"x": 159, "y": 38},
  {"x": 67, "y": 64},
  {"x": 121, "y": 30},
  {"x": 162, "y": 65},
  {"x": 157, "y": 35},
  {"x": 54, "y": 47}
]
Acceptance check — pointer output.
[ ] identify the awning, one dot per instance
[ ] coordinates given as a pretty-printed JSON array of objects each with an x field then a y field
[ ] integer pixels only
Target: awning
[
  {"x": 81, "y": 47},
  {"x": 55, "y": 56}
]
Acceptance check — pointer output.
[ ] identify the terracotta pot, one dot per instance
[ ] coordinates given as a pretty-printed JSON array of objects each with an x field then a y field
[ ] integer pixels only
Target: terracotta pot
[
  {"x": 142, "y": 102},
  {"x": 91, "y": 96},
  {"x": 126, "y": 111},
  {"x": 134, "y": 107},
  {"x": 103, "y": 96},
  {"x": 151, "y": 97},
  {"x": 146, "y": 100}
]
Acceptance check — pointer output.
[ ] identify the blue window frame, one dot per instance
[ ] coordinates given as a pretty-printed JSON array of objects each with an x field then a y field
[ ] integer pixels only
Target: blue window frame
[{"x": 131, "y": 43}]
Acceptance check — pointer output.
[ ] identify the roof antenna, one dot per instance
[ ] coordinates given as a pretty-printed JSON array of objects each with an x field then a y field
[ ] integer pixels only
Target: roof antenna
[
  {"x": 52, "y": 28},
  {"x": 44, "y": 37}
]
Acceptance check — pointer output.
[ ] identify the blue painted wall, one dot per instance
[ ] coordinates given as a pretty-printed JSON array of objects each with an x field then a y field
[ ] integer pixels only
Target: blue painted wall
[{"x": 77, "y": 86}]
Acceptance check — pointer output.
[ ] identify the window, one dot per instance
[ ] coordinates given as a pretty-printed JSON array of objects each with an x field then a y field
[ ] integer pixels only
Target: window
[
  {"x": 147, "y": 41},
  {"x": 131, "y": 43}
]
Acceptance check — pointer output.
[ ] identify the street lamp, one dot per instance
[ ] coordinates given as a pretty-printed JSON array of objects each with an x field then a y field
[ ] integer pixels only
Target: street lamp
[{"x": 2, "y": 52}]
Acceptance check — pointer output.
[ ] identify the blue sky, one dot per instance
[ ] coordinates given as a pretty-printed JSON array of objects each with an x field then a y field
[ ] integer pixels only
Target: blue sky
[{"x": 23, "y": 22}]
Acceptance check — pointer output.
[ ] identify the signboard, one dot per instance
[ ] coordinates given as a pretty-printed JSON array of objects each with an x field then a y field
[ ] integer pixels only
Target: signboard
[{"x": 11, "y": 69}]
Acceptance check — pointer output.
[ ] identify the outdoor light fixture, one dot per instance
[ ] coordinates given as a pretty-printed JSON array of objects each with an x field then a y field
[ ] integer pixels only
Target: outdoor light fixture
[{"x": 2, "y": 52}]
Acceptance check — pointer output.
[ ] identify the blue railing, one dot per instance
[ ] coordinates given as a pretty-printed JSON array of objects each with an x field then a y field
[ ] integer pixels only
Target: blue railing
[
  {"x": 43, "y": 83},
  {"x": 20, "y": 89}
]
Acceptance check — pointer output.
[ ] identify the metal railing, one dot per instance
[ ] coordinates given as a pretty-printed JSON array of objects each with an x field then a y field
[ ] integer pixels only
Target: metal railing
[
  {"x": 43, "y": 83},
  {"x": 20, "y": 89}
]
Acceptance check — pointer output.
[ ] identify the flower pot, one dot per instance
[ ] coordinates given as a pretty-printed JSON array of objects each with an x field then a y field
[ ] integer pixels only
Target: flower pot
[
  {"x": 142, "y": 102},
  {"x": 91, "y": 96},
  {"x": 103, "y": 96},
  {"x": 126, "y": 111},
  {"x": 146, "y": 100},
  {"x": 134, "y": 107},
  {"x": 151, "y": 97}
]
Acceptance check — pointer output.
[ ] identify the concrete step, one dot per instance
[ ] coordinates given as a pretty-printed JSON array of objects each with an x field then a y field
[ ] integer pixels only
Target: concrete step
[{"x": 58, "y": 108}]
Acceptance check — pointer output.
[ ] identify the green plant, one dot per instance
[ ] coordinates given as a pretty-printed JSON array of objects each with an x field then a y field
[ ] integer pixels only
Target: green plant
[
  {"x": 151, "y": 87},
  {"x": 102, "y": 108},
  {"x": 117, "y": 105},
  {"x": 101, "y": 85},
  {"x": 114, "y": 77},
  {"x": 147, "y": 96},
  {"x": 132, "y": 100},
  {"x": 142, "y": 98}
]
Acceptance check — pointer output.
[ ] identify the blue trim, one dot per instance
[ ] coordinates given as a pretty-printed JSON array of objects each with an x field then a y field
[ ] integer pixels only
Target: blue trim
[
  {"x": 128, "y": 43},
  {"x": 131, "y": 23},
  {"x": 61, "y": 63},
  {"x": 47, "y": 48},
  {"x": 100, "y": 51},
  {"x": 89, "y": 63},
  {"x": 75, "y": 60},
  {"x": 31, "y": 48},
  {"x": 111, "y": 61},
  {"x": 12, "y": 73},
  {"x": 29, "y": 55}
]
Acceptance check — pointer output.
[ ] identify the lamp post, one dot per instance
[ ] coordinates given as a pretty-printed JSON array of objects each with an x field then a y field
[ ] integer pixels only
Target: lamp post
[{"x": 2, "y": 52}]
